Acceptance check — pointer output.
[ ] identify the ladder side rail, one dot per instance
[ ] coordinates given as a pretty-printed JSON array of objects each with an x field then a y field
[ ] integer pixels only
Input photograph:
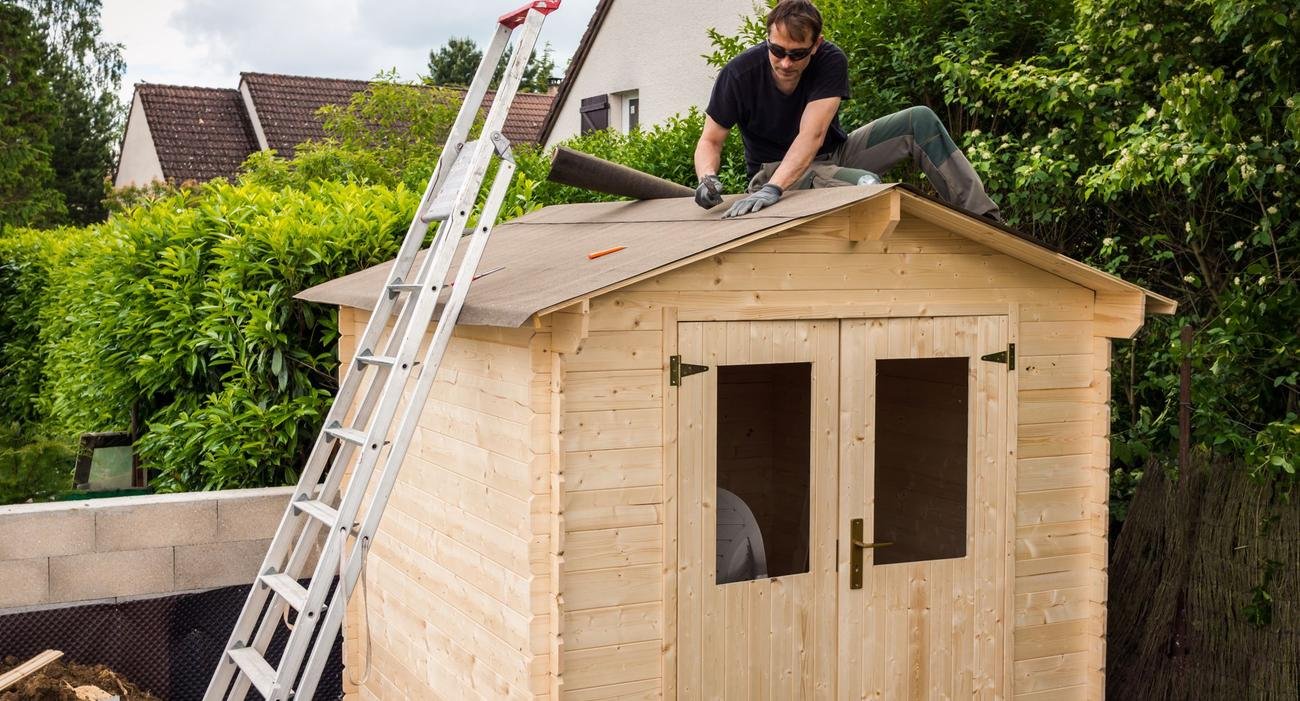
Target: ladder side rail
[
  {"x": 334, "y": 612},
  {"x": 251, "y": 628},
  {"x": 468, "y": 112},
  {"x": 509, "y": 86},
  {"x": 436, "y": 267},
  {"x": 269, "y": 621}
]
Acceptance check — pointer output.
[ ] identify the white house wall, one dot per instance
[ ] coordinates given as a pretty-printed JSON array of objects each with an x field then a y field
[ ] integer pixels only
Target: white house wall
[
  {"x": 139, "y": 164},
  {"x": 655, "y": 49}
]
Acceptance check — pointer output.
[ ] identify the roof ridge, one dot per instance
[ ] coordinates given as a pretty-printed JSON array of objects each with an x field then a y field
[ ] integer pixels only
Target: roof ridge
[{"x": 150, "y": 86}]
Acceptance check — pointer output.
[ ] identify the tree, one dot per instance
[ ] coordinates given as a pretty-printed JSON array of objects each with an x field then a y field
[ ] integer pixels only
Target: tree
[
  {"x": 537, "y": 73},
  {"x": 28, "y": 195},
  {"x": 84, "y": 73},
  {"x": 455, "y": 63}
]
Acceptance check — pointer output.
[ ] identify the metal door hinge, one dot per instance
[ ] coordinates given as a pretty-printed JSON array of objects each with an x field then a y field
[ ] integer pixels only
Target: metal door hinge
[
  {"x": 1007, "y": 356},
  {"x": 677, "y": 370}
]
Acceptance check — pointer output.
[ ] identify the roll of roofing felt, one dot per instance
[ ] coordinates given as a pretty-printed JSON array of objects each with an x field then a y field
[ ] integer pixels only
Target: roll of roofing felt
[{"x": 582, "y": 170}]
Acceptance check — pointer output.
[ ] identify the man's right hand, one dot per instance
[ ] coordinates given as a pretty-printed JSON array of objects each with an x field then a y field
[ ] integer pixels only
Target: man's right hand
[{"x": 709, "y": 192}]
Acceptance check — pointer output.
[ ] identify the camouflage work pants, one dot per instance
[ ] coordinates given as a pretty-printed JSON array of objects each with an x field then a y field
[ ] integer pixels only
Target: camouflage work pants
[{"x": 915, "y": 133}]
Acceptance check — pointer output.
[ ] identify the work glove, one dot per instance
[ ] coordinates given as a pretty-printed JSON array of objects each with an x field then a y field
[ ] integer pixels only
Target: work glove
[
  {"x": 752, "y": 203},
  {"x": 709, "y": 192}
]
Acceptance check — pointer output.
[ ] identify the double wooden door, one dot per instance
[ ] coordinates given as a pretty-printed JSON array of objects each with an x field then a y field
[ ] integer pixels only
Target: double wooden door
[{"x": 870, "y": 456}]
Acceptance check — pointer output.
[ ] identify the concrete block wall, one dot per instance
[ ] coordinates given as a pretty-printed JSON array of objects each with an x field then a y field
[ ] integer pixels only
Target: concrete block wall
[{"x": 103, "y": 550}]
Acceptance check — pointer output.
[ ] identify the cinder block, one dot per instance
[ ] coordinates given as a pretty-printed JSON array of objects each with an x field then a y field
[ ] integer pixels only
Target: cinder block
[
  {"x": 152, "y": 525},
  {"x": 251, "y": 517},
  {"x": 218, "y": 564},
  {"x": 121, "y": 573},
  {"x": 45, "y": 533},
  {"x": 24, "y": 582}
]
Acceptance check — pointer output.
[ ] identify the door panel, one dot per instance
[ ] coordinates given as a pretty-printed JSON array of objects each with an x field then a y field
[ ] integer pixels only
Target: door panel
[
  {"x": 924, "y": 628},
  {"x": 771, "y": 637}
]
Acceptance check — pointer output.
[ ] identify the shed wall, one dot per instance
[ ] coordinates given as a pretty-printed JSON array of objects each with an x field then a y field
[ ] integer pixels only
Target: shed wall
[{"x": 451, "y": 598}]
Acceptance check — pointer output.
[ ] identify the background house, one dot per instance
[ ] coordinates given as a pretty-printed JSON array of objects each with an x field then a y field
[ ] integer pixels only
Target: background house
[
  {"x": 182, "y": 133},
  {"x": 636, "y": 65}
]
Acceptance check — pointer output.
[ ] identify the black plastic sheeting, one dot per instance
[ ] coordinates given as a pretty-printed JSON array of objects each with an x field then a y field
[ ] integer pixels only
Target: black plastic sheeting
[{"x": 169, "y": 645}]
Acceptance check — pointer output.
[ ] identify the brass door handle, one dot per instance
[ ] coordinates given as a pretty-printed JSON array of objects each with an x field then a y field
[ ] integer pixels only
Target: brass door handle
[{"x": 858, "y": 545}]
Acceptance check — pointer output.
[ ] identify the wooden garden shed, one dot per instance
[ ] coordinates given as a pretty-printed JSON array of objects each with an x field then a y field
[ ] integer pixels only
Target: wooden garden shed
[{"x": 852, "y": 445}]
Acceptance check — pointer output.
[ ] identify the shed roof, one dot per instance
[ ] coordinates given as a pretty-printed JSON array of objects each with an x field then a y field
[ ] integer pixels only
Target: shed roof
[{"x": 538, "y": 263}]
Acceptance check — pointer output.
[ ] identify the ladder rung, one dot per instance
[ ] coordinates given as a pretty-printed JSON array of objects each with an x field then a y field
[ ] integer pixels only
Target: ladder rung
[
  {"x": 350, "y": 435},
  {"x": 387, "y": 361},
  {"x": 396, "y": 287},
  {"x": 317, "y": 510},
  {"x": 288, "y": 588},
  {"x": 256, "y": 668}
]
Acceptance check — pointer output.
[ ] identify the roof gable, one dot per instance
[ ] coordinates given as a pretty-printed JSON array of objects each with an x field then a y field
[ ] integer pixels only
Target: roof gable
[
  {"x": 575, "y": 67},
  {"x": 539, "y": 263},
  {"x": 198, "y": 133}
]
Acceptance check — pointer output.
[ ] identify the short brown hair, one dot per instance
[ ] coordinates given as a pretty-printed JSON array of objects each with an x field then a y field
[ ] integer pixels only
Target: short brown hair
[{"x": 800, "y": 19}]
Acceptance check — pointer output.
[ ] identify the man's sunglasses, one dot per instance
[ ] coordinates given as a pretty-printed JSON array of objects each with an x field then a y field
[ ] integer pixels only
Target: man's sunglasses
[{"x": 793, "y": 54}]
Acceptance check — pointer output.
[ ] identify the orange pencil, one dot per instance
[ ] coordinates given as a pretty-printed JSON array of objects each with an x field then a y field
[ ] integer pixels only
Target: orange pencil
[{"x": 596, "y": 254}]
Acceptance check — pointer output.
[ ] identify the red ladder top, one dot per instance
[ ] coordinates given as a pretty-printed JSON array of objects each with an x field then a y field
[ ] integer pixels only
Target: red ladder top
[{"x": 517, "y": 17}]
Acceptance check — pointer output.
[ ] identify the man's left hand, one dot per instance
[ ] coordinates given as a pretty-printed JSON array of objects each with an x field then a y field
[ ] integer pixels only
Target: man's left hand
[{"x": 765, "y": 197}]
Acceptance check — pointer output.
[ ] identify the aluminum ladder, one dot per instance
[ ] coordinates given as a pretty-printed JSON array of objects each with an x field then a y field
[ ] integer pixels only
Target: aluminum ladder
[{"x": 351, "y": 443}]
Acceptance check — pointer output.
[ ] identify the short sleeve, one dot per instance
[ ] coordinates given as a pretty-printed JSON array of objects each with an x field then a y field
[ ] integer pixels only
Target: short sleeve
[
  {"x": 832, "y": 76},
  {"x": 723, "y": 107}
]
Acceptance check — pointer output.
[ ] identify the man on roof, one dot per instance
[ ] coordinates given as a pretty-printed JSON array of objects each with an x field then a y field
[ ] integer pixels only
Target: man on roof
[{"x": 785, "y": 95}]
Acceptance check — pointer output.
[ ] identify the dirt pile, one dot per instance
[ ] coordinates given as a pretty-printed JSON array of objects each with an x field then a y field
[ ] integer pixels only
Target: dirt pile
[{"x": 59, "y": 680}]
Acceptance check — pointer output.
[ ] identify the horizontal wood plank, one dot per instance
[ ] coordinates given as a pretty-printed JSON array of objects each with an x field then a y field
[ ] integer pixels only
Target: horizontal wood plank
[
  {"x": 614, "y": 625},
  {"x": 616, "y": 664},
  {"x": 618, "y": 586}
]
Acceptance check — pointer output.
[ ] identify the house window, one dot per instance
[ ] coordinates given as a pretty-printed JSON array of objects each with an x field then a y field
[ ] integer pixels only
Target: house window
[
  {"x": 595, "y": 113},
  {"x": 764, "y": 470},
  {"x": 921, "y": 459},
  {"x": 633, "y": 118}
]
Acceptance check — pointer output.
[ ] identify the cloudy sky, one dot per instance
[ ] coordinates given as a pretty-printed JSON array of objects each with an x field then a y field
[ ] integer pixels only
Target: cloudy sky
[{"x": 208, "y": 42}]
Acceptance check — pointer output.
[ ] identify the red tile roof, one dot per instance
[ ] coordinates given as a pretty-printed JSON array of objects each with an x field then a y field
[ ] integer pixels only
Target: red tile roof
[
  {"x": 286, "y": 108},
  {"x": 198, "y": 133},
  {"x": 203, "y": 133},
  {"x": 286, "y": 105}
]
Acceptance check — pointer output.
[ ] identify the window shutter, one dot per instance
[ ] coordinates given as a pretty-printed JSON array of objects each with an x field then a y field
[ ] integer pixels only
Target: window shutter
[{"x": 595, "y": 113}]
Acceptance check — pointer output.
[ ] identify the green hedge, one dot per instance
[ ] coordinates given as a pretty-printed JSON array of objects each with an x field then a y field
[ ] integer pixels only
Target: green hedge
[{"x": 177, "y": 316}]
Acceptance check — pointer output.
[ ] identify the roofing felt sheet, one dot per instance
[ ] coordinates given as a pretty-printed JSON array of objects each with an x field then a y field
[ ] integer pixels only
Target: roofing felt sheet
[{"x": 540, "y": 260}]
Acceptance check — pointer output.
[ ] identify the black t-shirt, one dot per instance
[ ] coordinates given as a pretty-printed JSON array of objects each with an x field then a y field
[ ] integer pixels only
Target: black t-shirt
[{"x": 745, "y": 94}]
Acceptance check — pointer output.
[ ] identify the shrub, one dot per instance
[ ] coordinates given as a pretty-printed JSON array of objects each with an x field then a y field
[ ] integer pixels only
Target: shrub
[{"x": 32, "y": 470}]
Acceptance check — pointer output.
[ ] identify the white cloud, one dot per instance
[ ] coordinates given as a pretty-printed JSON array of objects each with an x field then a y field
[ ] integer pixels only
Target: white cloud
[{"x": 208, "y": 42}]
